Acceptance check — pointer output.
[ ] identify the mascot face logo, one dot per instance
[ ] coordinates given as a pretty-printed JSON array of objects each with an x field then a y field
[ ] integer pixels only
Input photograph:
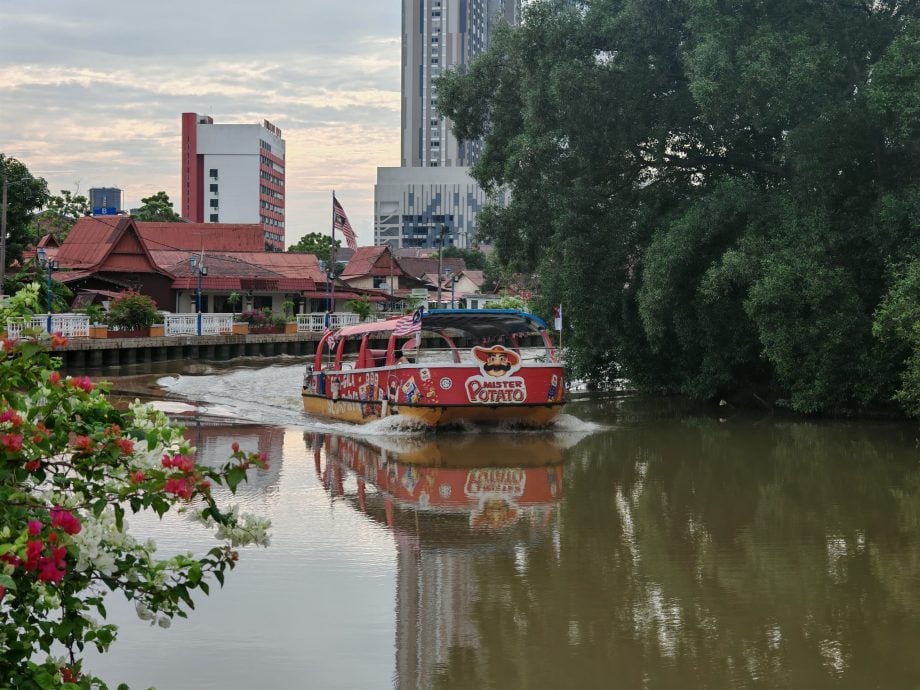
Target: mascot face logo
[{"x": 496, "y": 361}]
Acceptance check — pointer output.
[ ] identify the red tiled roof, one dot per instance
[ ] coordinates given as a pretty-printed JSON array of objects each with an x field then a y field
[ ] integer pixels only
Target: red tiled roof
[
  {"x": 419, "y": 267},
  {"x": 90, "y": 240},
  {"x": 226, "y": 237},
  {"x": 268, "y": 284},
  {"x": 363, "y": 262}
]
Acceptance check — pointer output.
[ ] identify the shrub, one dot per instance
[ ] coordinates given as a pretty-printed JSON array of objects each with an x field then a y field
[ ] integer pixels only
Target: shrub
[
  {"x": 71, "y": 467},
  {"x": 131, "y": 311}
]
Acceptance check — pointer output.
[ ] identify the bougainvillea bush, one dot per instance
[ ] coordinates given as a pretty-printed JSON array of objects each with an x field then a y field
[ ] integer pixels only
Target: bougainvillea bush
[{"x": 72, "y": 469}]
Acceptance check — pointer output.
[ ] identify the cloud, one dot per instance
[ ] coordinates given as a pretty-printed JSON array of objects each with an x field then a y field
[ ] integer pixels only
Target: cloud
[{"x": 92, "y": 93}]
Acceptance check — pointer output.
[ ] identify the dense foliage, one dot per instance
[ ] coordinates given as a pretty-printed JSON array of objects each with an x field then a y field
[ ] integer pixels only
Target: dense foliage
[
  {"x": 24, "y": 195},
  {"x": 157, "y": 208},
  {"x": 131, "y": 311},
  {"x": 316, "y": 243},
  {"x": 60, "y": 214},
  {"x": 71, "y": 468},
  {"x": 719, "y": 193}
]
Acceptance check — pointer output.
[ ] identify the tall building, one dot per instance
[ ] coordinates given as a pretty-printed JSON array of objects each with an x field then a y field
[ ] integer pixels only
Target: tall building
[
  {"x": 414, "y": 203},
  {"x": 105, "y": 201},
  {"x": 438, "y": 35},
  {"x": 233, "y": 173}
]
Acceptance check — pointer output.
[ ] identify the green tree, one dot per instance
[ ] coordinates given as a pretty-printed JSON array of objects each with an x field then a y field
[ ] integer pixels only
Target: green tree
[
  {"x": 473, "y": 258},
  {"x": 157, "y": 208},
  {"x": 25, "y": 193},
  {"x": 315, "y": 243},
  {"x": 60, "y": 213},
  {"x": 713, "y": 193}
]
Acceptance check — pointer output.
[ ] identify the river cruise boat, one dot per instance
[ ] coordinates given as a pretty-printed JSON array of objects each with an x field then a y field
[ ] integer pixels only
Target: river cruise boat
[{"x": 444, "y": 367}]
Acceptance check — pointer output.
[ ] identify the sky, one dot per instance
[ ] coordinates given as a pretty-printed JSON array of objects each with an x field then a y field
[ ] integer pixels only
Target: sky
[{"x": 91, "y": 93}]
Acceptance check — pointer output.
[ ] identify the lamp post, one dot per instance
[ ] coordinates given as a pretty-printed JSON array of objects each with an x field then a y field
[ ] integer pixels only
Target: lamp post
[
  {"x": 198, "y": 266},
  {"x": 51, "y": 265},
  {"x": 440, "y": 260},
  {"x": 6, "y": 186},
  {"x": 453, "y": 283}
]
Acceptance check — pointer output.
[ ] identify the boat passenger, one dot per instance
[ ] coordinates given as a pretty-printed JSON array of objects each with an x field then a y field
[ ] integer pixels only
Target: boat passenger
[{"x": 401, "y": 358}]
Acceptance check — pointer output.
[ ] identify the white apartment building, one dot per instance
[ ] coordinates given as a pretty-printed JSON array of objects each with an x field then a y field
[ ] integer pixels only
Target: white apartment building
[{"x": 233, "y": 173}]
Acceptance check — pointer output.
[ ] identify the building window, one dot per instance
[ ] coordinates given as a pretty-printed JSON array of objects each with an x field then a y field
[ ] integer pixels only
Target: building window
[
  {"x": 213, "y": 203},
  {"x": 214, "y": 218},
  {"x": 213, "y": 173},
  {"x": 213, "y": 189}
]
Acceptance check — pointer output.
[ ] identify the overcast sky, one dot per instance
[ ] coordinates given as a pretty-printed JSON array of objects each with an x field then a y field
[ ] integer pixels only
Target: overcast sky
[{"x": 91, "y": 93}]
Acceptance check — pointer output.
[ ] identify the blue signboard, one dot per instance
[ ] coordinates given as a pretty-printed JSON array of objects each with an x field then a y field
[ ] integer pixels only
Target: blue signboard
[{"x": 105, "y": 211}]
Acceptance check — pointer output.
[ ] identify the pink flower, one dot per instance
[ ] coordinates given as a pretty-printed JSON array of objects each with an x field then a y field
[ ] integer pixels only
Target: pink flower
[
  {"x": 54, "y": 378},
  {"x": 12, "y": 442},
  {"x": 236, "y": 447},
  {"x": 178, "y": 486},
  {"x": 58, "y": 340},
  {"x": 83, "y": 443},
  {"x": 138, "y": 476},
  {"x": 83, "y": 383},
  {"x": 65, "y": 520},
  {"x": 33, "y": 465},
  {"x": 11, "y": 416},
  {"x": 33, "y": 553},
  {"x": 35, "y": 528},
  {"x": 126, "y": 445}
]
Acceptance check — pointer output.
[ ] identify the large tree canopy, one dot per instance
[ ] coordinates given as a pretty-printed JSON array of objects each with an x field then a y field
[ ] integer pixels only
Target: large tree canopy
[
  {"x": 718, "y": 192},
  {"x": 158, "y": 208},
  {"x": 316, "y": 243},
  {"x": 24, "y": 195}
]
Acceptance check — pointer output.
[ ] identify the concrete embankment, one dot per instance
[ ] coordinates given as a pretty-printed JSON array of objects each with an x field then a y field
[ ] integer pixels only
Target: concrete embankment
[{"x": 81, "y": 355}]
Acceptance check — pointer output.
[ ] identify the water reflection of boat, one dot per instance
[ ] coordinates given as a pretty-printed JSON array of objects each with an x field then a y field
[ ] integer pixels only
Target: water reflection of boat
[
  {"x": 461, "y": 485},
  {"x": 447, "y": 501}
]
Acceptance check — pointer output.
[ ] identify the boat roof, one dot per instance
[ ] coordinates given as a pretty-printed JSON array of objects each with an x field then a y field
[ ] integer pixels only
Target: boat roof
[{"x": 478, "y": 322}]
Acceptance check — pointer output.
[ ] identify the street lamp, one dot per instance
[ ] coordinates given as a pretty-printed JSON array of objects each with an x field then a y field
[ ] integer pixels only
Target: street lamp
[
  {"x": 453, "y": 283},
  {"x": 6, "y": 186},
  {"x": 440, "y": 260},
  {"x": 198, "y": 266},
  {"x": 52, "y": 266}
]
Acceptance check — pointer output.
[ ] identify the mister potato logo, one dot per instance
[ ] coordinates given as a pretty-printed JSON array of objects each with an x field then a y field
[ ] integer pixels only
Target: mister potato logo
[
  {"x": 496, "y": 361},
  {"x": 496, "y": 385}
]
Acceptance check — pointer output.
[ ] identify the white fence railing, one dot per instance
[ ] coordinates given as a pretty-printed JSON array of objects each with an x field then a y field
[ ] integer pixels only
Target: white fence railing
[
  {"x": 68, "y": 325},
  {"x": 316, "y": 322},
  {"x": 187, "y": 324}
]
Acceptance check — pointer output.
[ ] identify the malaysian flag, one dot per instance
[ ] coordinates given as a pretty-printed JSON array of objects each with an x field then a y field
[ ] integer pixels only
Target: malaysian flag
[
  {"x": 410, "y": 323},
  {"x": 341, "y": 223}
]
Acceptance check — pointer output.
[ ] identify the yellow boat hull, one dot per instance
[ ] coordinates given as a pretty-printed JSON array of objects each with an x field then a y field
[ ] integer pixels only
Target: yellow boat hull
[{"x": 359, "y": 412}]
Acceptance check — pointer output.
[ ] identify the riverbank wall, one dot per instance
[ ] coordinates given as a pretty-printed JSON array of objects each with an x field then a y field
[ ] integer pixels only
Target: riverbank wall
[{"x": 81, "y": 355}]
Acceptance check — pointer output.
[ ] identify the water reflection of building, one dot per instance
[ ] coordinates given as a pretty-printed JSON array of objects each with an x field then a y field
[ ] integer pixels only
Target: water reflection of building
[
  {"x": 447, "y": 502},
  {"x": 214, "y": 442}
]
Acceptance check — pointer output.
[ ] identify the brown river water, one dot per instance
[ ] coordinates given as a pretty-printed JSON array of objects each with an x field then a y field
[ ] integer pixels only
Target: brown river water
[{"x": 639, "y": 544}]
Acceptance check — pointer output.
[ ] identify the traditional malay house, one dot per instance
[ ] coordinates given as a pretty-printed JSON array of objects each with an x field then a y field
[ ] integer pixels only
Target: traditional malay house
[{"x": 114, "y": 254}]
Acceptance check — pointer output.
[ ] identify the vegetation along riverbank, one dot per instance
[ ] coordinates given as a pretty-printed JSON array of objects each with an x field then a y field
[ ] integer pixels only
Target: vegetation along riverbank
[{"x": 726, "y": 202}]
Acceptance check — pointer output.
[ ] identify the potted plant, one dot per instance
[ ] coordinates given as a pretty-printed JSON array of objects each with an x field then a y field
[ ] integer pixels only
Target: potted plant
[
  {"x": 158, "y": 329},
  {"x": 240, "y": 327},
  {"x": 290, "y": 323},
  {"x": 97, "y": 325},
  {"x": 131, "y": 315}
]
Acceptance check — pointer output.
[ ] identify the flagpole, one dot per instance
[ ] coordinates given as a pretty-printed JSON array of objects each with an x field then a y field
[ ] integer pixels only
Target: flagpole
[{"x": 332, "y": 258}]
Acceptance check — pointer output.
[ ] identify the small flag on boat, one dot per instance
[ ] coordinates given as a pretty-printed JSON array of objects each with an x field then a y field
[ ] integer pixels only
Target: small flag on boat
[
  {"x": 341, "y": 223},
  {"x": 557, "y": 317},
  {"x": 330, "y": 341},
  {"x": 410, "y": 323}
]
